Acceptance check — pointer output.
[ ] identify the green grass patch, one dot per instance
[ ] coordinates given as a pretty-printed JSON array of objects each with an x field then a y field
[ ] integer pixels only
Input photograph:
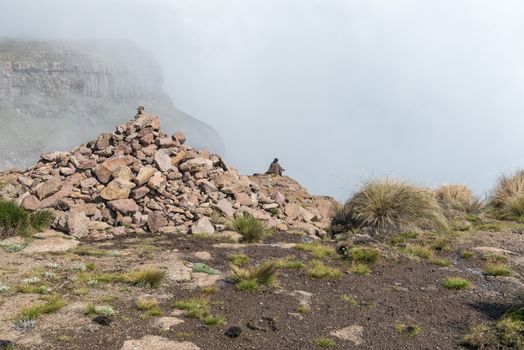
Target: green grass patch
[
  {"x": 324, "y": 342},
  {"x": 52, "y": 305},
  {"x": 251, "y": 279},
  {"x": 199, "y": 308},
  {"x": 497, "y": 269},
  {"x": 150, "y": 307},
  {"x": 251, "y": 228},
  {"x": 361, "y": 269},
  {"x": 239, "y": 259},
  {"x": 457, "y": 283},
  {"x": 15, "y": 220},
  {"x": 148, "y": 277},
  {"x": 349, "y": 300},
  {"x": 318, "y": 250},
  {"x": 364, "y": 255},
  {"x": 290, "y": 263},
  {"x": 318, "y": 269}
]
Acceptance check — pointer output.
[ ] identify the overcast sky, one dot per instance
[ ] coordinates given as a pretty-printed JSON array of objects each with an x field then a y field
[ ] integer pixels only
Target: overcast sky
[{"x": 430, "y": 91}]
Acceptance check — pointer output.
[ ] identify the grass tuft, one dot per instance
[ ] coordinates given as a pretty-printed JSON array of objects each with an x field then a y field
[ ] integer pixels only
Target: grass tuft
[
  {"x": 318, "y": 250},
  {"x": 324, "y": 342},
  {"x": 199, "y": 308},
  {"x": 149, "y": 277},
  {"x": 253, "y": 278},
  {"x": 15, "y": 220},
  {"x": 318, "y": 269},
  {"x": 457, "y": 283},
  {"x": 497, "y": 269},
  {"x": 458, "y": 200},
  {"x": 239, "y": 259},
  {"x": 251, "y": 228},
  {"x": 408, "y": 330},
  {"x": 391, "y": 207},
  {"x": 508, "y": 196},
  {"x": 52, "y": 305}
]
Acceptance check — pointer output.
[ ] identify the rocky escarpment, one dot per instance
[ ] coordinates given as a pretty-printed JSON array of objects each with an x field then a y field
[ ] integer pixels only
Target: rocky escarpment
[
  {"x": 140, "y": 179},
  {"x": 55, "y": 94}
]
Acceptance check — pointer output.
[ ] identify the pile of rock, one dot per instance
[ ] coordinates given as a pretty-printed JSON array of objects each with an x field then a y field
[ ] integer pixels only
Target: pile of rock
[{"x": 140, "y": 179}]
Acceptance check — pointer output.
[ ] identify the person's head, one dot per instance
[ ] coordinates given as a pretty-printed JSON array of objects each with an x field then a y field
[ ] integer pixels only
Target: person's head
[{"x": 275, "y": 160}]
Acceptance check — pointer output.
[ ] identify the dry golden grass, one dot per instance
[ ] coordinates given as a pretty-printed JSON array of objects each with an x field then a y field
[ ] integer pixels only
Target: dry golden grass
[
  {"x": 389, "y": 206},
  {"x": 508, "y": 196},
  {"x": 457, "y": 200}
]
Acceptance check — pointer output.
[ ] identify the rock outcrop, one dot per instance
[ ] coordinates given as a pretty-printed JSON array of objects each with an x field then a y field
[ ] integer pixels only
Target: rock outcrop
[
  {"x": 140, "y": 179},
  {"x": 53, "y": 94}
]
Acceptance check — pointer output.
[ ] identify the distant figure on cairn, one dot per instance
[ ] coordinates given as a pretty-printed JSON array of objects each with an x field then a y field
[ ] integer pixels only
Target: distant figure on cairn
[{"x": 275, "y": 168}]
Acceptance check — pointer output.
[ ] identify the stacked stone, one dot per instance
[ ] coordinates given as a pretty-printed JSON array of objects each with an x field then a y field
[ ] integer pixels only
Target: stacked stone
[{"x": 140, "y": 179}]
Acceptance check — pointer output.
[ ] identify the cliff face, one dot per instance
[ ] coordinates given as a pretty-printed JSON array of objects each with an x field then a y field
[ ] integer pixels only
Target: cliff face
[{"x": 54, "y": 95}]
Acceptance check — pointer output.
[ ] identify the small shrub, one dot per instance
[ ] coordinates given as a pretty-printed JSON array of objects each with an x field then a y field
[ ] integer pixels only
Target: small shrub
[
  {"x": 456, "y": 283},
  {"x": 408, "y": 330},
  {"x": 149, "y": 277},
  {"x": 390, "y": 207},
  {"x": 458, "y": 200},
  {"x": 318, "y": 250},
  {"x": 239, "y": 259},
  {"x": 324, "y": 342},
  {"x": 317, "y": 269},
  {"x": 251, "y": 228},
  {"x": 100, "y": 310},
  {"x": 497, "y": 269}
]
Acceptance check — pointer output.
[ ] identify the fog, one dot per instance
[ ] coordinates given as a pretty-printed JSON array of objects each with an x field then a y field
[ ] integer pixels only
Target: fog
[{"x": 339, "y": 91}]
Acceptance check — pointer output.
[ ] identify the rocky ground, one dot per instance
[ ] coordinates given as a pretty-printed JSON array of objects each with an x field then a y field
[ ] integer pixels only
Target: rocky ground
[
  {"x": 138, "y": 203},
  {"x": 350, "y": 311}
]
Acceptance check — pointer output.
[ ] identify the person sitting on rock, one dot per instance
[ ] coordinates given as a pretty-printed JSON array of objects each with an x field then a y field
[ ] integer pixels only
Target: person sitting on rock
[{"x": 275, "y": 168}]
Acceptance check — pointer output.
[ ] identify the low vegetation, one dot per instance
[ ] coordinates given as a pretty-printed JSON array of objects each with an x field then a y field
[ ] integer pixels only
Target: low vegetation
[
  {"x": 389, "y": 207},
  {"x": 408, "y": 330},
  {"x": 251, "y": 228},
  {"x": 318, "y": 249},
  {"x": 497, "y": 269},
  {"x": 100, "y": 310},
  {"x": 199, "y": 308},
  {"x": 52, "y": 304},
  {"x": 324, "y": 342},
  {"x": 458, "y": 200},
  {"x": 15, "y": 220},
  {"x": 506, "y": 333},
  {"x": 456, "y": 283},
  {"x": 251, "y": 279},
  {"x": 507, "y": 199},
  {"x": 148, "y": 277},
  {"x": 149, "y": 306},
  {"x": 318, "y": 269},
  {"x": 239, "y": 259}
]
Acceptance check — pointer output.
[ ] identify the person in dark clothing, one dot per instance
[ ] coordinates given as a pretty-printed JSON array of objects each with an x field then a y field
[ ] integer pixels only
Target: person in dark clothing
[{"x": 275, "y": 168}]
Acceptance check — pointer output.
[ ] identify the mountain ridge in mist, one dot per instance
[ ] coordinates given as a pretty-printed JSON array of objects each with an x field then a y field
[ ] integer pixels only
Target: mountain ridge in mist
[{"x": 55, "y": 93}]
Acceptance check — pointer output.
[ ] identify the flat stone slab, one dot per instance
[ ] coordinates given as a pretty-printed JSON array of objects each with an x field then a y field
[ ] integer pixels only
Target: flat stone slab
[
  {"x": 166, "y": 323},
  {"x": 352, "y": 334},
  {"x": 151, "y": 342},
  {"x": 49, "y": 245}
]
